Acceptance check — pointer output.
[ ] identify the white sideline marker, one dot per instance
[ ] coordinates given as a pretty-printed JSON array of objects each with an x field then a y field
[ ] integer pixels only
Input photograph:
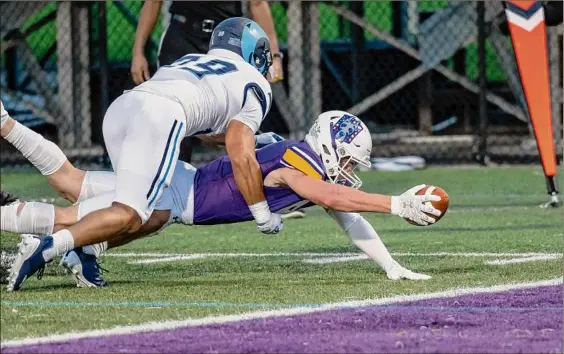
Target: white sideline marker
[{"x": 168, "y": 325}]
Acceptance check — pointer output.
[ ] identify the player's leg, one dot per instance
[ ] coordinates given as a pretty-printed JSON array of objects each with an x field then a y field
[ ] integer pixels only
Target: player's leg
[
  {"x": 69, "y": 182},
  {"x": 42, "y": 218},
  {"x": 82, "y": 262},
  {"x": 143, "y": 155},
  {"x": 144, "y": 168},
  {"x": 46, "y": 156},
  {"x": 31, "y": 256}
]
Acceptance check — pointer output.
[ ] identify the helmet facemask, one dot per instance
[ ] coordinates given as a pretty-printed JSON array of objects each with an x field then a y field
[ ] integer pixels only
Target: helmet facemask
[
  {"x": 261, "y": 58},
  {"x": 343, "y": 172}
]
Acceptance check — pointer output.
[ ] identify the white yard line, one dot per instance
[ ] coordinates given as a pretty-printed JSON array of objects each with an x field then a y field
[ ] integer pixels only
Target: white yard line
[
  {"x": 168, "y": 325},
  {"x": 275, "y": 254},
  {"x": 348, "y": 254},
  {"x": 168, "y": 259},
  {"x": 523, "y": 259},
  {"x": 326, "y": 260},
  {"x": 318, "y": 258}
]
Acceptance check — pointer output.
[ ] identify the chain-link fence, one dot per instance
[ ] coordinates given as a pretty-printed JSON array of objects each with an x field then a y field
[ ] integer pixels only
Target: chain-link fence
[{"x": 436, "y": 79}]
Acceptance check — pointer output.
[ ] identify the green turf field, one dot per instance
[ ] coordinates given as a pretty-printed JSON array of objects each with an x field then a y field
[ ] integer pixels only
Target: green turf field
[{"x": 494, "y": 215}]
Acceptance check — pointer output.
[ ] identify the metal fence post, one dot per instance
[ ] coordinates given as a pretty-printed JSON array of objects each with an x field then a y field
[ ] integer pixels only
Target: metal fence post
[
  {"x": 481, "y": 156},
  {"x": 81, "y": 85},
  {"x": 296, "y": 65},
  {"x": 312, "y": 71},
  {"x": 65, "y": 73}
]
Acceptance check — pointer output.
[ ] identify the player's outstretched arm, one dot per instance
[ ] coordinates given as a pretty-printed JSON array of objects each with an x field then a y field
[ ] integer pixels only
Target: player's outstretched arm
[
  {"x": 342, "y": 198},
  {"x": 333, "y": 196},
  {"x": 366, "y": 238},
  {"x": 240, "y": 146}
]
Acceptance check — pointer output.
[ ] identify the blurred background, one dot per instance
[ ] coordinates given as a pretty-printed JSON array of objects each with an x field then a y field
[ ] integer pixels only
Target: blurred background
[{"x": 432, "y": 79}]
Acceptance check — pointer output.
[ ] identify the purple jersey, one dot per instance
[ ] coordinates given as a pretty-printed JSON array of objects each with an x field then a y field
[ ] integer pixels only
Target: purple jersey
[{"x": 217, "y": 199}]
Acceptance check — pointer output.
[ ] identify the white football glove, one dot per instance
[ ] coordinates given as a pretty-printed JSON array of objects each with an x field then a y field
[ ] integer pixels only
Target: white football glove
[
  {"x": 274, "y": 225},
  {"x": 397, "y": 272},
  {"x": 413, "y": 207},
  {"x": 265, "y": 139}
]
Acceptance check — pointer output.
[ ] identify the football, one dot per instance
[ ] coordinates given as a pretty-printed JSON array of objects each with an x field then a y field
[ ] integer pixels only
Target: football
[{"x": 441, "y": 205}]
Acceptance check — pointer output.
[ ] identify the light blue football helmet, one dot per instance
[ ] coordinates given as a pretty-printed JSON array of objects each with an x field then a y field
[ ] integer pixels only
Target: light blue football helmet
[{"x": 245, "y": 38}]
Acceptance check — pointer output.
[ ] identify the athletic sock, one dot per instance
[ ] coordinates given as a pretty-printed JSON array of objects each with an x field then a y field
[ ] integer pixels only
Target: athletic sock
[
  {"x": 62, "y": 242},
  {"x": 96, "y": 250}
]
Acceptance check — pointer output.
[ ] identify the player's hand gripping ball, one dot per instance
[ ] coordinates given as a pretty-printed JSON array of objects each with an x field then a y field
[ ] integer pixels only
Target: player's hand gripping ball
[{"x": 441, "y": 205}]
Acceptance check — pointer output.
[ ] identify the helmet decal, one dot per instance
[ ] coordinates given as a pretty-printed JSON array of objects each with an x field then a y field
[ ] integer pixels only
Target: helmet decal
[{"x": 346, "y": 129}]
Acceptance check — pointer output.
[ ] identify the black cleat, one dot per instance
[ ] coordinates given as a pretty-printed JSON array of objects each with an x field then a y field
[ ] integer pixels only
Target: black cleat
[{"x": 6, "y": 198}]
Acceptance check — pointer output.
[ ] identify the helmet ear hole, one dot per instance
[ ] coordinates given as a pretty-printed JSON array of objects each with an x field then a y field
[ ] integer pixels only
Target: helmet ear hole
[{"x": 326, "y": 150}]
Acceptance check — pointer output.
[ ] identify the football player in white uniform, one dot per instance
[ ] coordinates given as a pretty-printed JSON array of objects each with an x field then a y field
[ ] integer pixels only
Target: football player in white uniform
[
  {"x": 222, "y": 96},
  {"x": 293, "y": 179}
]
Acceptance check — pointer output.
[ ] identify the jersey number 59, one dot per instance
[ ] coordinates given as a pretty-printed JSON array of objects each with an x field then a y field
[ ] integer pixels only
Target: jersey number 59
[{"x": 201, "y": 66}]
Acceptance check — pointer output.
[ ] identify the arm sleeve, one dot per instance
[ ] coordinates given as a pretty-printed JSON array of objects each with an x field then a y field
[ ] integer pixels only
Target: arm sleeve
[
  {"x": 364, "y": 236},
  {"x": 257, "y": 100},
  {"x": 251, "y": 114}
]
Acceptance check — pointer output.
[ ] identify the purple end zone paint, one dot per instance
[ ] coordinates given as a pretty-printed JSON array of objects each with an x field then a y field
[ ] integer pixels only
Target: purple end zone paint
[{"x": 528, "y": 321}]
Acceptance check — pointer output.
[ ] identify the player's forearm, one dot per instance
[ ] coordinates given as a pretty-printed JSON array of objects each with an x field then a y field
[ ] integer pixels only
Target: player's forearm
[
  {"x": 240, "y": 146},
  {"x": 346, "y": 199},
  {"x": 260, "y": 12},
  {"x": 147, "y": 21},
  {"x": 352, "y": 200},
  {"x": 248, "y": 176},
  {"x": 333, "y": 196}
]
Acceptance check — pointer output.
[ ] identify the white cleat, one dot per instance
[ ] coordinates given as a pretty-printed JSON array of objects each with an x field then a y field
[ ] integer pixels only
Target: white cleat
[
  {"x": 29, "y": 260},
  {"x": 398, "y": 272}
]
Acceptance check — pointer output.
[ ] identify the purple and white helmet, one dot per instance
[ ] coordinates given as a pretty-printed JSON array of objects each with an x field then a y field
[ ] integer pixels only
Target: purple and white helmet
[{"x": 343, "y": 142}]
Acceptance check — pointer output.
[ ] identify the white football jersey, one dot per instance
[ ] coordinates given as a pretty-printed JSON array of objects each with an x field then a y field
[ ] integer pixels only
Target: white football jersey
[{"x": 213, "y": 90}]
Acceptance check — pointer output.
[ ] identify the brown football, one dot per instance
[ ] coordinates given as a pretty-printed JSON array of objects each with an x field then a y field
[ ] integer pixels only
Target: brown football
[{"x": 441, "y": 205}]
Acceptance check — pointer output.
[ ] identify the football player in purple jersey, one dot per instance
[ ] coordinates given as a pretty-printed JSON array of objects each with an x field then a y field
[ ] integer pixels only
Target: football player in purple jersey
[{"x": 319, "y": 170}]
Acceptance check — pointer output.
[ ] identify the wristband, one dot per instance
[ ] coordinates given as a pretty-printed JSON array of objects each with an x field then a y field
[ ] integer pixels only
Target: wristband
[
  {"x": 261, "y": 212},
  {"x": 395, "y": 205}
]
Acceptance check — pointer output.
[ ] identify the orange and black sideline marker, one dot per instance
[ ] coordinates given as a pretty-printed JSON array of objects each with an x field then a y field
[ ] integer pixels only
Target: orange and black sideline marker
[{"x": 528, "y": 34}]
